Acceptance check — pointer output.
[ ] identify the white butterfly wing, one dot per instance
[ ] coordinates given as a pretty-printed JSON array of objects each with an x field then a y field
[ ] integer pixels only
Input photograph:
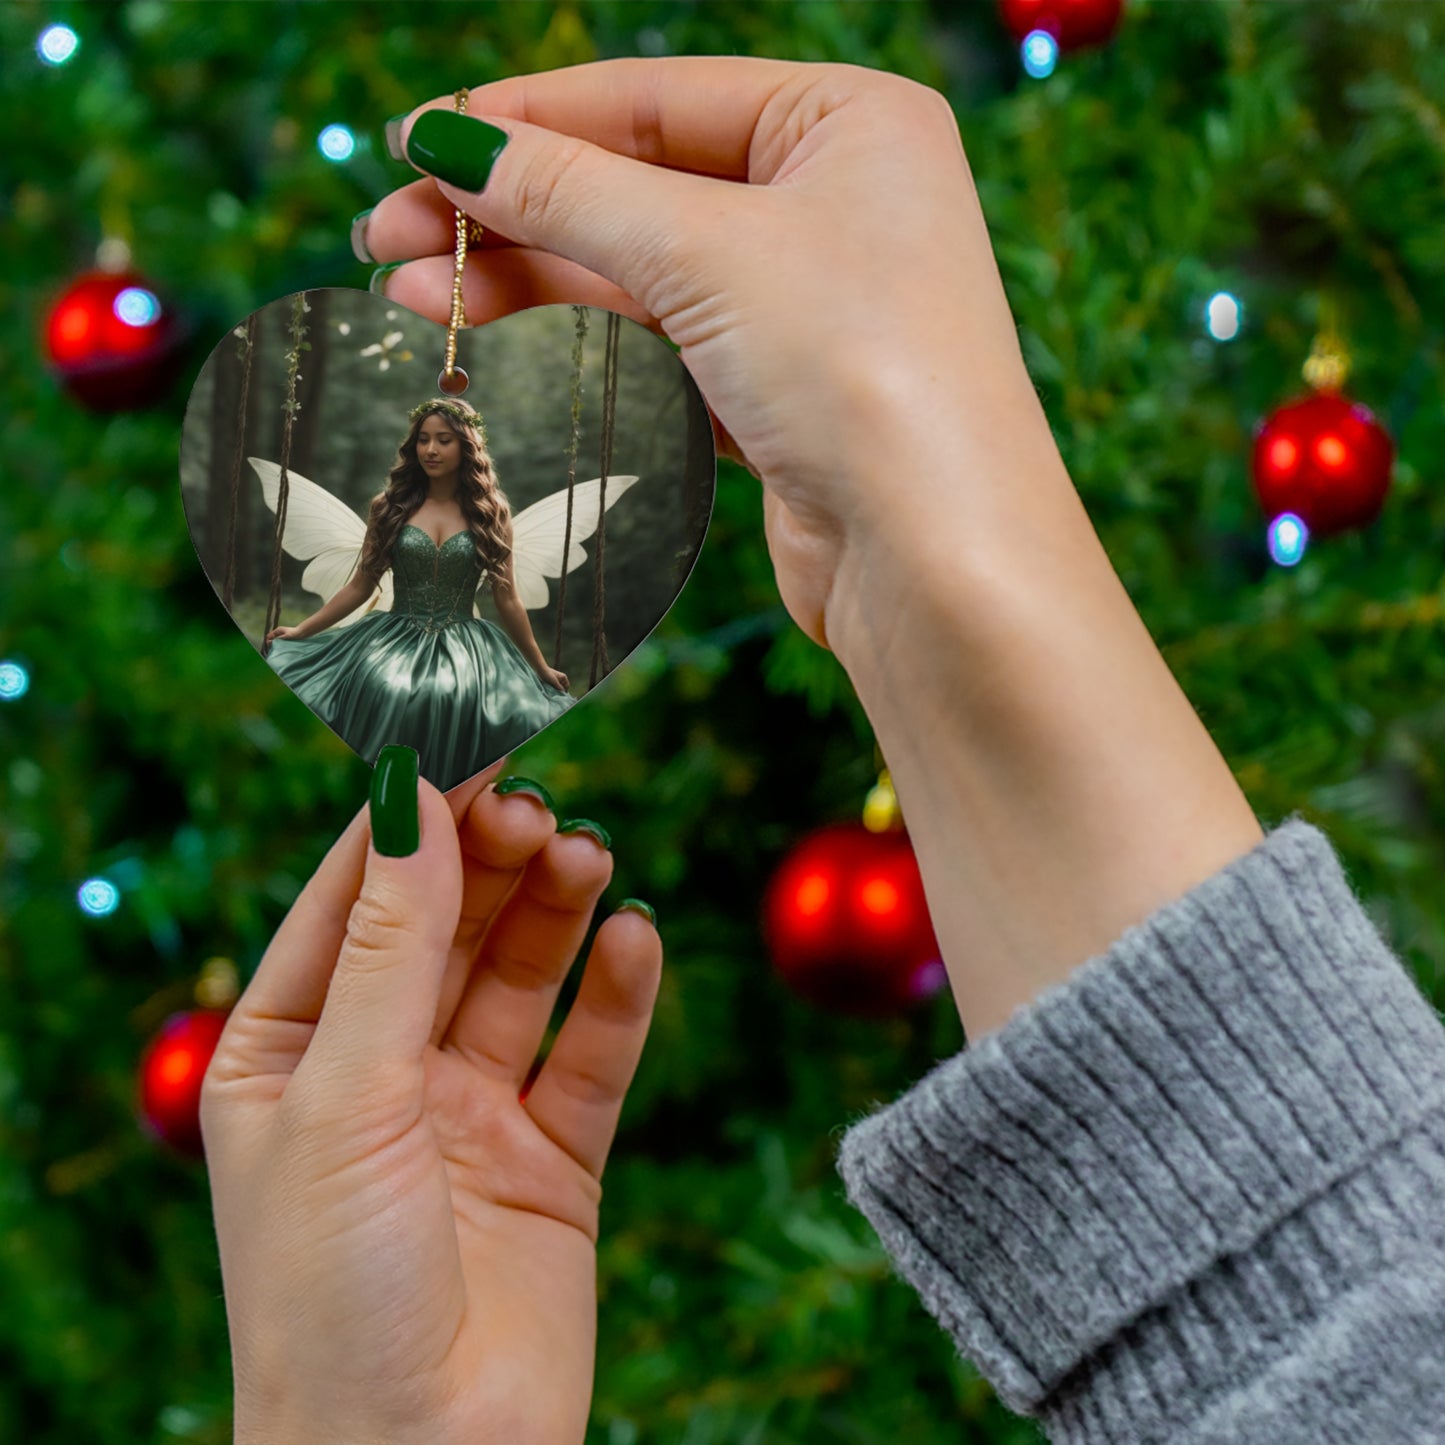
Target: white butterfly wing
[
  {"x": 322, "y": 531},
  {"x": 538, "y": 532}
]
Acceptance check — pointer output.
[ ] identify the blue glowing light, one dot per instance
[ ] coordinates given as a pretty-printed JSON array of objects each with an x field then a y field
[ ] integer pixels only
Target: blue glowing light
[
  {"x": 57, "y": 44},
  {"x": 14, "y": 681},
  {"x": 98, "y": 896},
  {"x": 1223, "y": 316},
  {"x": 136, "y": 306},
  {"x": 336, "y": 143},
  {"x": 1288, "y": 538},
  {"x": 1040, "y": 52}
]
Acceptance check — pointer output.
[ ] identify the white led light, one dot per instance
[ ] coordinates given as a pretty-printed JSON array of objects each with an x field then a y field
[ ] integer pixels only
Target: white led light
[
  {"x": 14, "y": 681},
  {"x": 57, "y": 44},
  {"x": 98, "y": 896},
  {"x": 1288, "y": 538},
  {"x": 136, "y": 306},
  {"x": 1223, "y": 316},
  {"x": 1040, "y": 52},
  {"x": 336, "y": 143}
]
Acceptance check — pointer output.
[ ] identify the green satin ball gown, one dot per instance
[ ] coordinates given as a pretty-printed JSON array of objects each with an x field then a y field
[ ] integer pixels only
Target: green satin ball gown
[{"x": 427, "y": 673}]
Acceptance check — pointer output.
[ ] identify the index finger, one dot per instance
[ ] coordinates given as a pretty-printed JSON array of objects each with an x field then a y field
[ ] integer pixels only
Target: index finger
[
  {"x": 698, "y": 113},
  {"x": 292, "y": 979}
]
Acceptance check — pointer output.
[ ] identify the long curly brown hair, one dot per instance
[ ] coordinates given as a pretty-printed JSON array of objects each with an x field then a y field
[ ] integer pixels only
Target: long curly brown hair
[{"x": 484, "y": 506}]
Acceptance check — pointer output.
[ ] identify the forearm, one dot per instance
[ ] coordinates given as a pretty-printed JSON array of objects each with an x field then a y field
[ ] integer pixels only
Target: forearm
[
  {"x": 518, "y": 627},
  {"x": 343, "y": 604},
  {"x": 1057, "y": 784}
]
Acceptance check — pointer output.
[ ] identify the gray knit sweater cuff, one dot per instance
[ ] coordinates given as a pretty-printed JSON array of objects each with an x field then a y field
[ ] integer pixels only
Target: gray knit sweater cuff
[{"x": 1133, "y": 1192}]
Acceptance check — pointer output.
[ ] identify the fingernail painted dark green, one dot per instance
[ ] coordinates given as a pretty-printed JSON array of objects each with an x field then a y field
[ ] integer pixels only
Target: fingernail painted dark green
[
  {"x": 358, "y": 237},
  {"x": 636, "y": 905},
  {"x": 586, "y": 825},
  {"x": 525, "y": 785},
  {"x": 395, "y": 817},
  {"x": 377, "y": 284},
  {"x": 455, "y": 148}
]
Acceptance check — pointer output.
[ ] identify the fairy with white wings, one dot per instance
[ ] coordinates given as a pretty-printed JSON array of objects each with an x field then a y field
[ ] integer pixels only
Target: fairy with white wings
[{"x": 399, "y": 652}]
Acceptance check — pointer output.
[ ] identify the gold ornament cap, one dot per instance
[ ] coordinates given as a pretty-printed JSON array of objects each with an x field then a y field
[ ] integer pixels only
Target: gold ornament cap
[
  {"x": 1328, "y": 366},
  {"x": 881, "y": 813}
]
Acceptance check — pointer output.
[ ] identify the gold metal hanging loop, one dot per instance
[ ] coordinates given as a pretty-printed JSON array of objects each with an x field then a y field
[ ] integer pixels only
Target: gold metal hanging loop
[{"x": 453, "y": 380}]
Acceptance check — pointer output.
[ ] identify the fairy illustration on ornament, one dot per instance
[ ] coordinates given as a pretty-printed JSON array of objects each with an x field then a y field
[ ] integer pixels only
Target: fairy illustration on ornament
[{"x": 384, "y": 634}]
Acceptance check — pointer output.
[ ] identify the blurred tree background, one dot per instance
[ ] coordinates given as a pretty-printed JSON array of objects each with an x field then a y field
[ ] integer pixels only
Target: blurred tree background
[{"x": 1277, "y": 152}]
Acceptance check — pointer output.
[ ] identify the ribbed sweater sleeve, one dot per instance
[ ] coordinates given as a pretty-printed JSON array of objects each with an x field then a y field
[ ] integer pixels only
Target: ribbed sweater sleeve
[{"x": 1195, "y": 1192}]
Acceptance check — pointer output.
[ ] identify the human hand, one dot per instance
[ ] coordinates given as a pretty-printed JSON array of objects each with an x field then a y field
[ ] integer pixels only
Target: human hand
[
  {"x": 553, "y": 678},
  {"x": 843, "y": 301},
  {"x": 286, "y": 634},
  {"x": 407, "y": 1246}
]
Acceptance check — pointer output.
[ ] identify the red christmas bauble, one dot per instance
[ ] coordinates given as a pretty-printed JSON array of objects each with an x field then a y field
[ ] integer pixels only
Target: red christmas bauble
[
  {"x": 112, "y": 342},
  {"x": 171, "y": 1072},
  {"x": 847, "y": 924},
  {"x": 1073, "y": 23},
  {"x": 1324, "y": 458}
]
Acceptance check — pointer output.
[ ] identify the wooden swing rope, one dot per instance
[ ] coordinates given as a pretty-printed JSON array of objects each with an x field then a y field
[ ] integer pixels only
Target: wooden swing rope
[
  {"x": 248, "y": 350},
  {"x": 299, "y": 309},
  {"x": 609, "y": 410},
  {"x": 581, "y": 313}
]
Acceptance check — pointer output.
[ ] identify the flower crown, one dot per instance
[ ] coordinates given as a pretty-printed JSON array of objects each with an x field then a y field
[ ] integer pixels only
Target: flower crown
[{"x": 458, "y": 411}]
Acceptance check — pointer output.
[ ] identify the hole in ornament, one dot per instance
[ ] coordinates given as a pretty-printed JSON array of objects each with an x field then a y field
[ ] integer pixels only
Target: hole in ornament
[{"x": 453, "y": 382}]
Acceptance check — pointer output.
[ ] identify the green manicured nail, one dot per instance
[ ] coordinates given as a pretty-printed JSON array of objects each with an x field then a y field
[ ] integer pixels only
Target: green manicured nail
[
  {"x": 586, "y": 825},
  {"x": 455, "y": 148},
  {"x": 358, "y": 237},
  {"x": 377, "y": 284},
  {"x": 636, "y": 905},
  {"x": 526, "y": 785},
  {"x": 395, "y": 815}
]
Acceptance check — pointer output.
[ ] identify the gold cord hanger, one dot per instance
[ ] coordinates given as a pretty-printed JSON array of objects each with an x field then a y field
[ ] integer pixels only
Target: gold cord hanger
[{"x": 453, "y": 380}]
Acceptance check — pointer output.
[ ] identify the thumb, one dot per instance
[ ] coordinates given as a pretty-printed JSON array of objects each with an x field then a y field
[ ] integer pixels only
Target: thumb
[
  {"x": 382, "y": 1000},
  {"x": 623, "y": 219}
]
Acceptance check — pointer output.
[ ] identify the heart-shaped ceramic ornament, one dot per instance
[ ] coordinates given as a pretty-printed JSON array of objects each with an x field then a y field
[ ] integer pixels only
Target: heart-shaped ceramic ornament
[{"x": 453, "y": 573}]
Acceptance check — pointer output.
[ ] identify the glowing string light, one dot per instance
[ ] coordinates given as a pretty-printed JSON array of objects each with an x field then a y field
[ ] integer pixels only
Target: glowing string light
[
  {"x": 1288, "y": 538},
  {"x": 98, "y": 897},
  {"x": 1223, "y": 316},
  {"x": 336, "y": 143},
  {"x": 14, "y": 681},
  {"x": 57, "y": 44},
  {"x": 136, "y": 306},
  {"x": 1040, "y": 53}
]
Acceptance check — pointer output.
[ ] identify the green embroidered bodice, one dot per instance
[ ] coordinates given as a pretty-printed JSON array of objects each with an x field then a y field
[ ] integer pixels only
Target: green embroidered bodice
[{"x": 434, "y": 586}]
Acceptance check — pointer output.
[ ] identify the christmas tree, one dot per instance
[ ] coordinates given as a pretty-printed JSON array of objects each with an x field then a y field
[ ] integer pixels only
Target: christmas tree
[{"x": 1180, "y": 213}]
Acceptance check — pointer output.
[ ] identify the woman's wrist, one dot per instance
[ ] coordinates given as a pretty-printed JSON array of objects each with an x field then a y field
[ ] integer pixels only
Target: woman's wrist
[
  {"x": 1057, "y": 784},
  {"x": 519, "y": 627}
]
